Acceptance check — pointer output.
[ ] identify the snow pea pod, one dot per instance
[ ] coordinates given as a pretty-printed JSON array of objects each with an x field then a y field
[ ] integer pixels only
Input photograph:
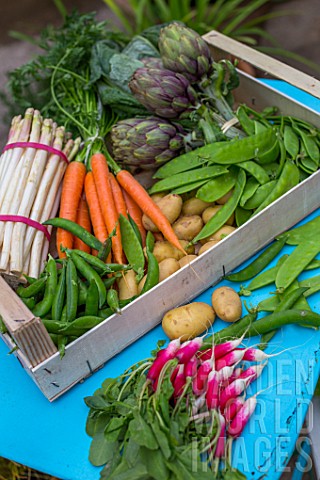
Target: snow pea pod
[
  {"x": 131, "y": 246},
  {"x": 90, "y": 274},
  {"x": 217, "y": 187},
  {"x": 256, "y": 171},
  {"x": 220, "y": 218},
  {"x": 296, "y": 263},
  {"x": 309, "y": 144},
  {"x": 291, "y": 141},
  {"x": 60, "y": 295},
  {"x": 241, "y": 216},
  {"x": 307, "y": 231},
  {"x": 249, "y": 190},
  {"x": 266, "y": 277},
  {"x": 245, "y": 121},
  {"x": 262, "y": 192},
  {"x": 231, "y": 331},
  {"x": 259, "y": 263},
  {"x": 44, "y": 306},
  {"x": 80, "y": 325},
  {"x": 288, "y": 179},
  {"x": 36, "y": 287},
  {"x": 189, "y": 187},
  {"x": 271, "y": 155},
  {"x": 185, "y": 178}
]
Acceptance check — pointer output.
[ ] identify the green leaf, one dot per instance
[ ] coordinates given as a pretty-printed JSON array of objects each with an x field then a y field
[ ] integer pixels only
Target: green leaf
[
  {"x": 142, "y": 433},
  {"x": 100, "y": 59},
  {"x": 101, "y": 451},
  {"x": 97, "y": 402},
  {"x": 155, "y": 463},
  {"x": 131, "y": 452},
  {"x": 111, "y": 466},
  {"x": 96, "y": 422},
  {"x": 114, "y": 427},
  {"x": 122, "y": 67},
  {"x": 139, "y": 48},
  {"x": 125, "y": 472},
  {"x": 123, "y": 102},
  {"x": 162, "y": 439}
]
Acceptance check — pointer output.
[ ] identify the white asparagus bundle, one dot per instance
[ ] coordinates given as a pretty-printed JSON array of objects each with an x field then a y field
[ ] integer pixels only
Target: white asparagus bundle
[{"x": 30, "y": 180}]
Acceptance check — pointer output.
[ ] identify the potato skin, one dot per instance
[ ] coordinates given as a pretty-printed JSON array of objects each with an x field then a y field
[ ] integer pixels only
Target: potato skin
[
  {"x": 207, "y": 245},
  {"x": 194, "y": 206},
  {"x": 210, "y": 212},
  {"x": 188, "y": 321},
  {"x": 167, "y": 267},
  {"x": 186, "y": 260},
  {"x": 170, "y": 205},
  {"x": 220, "y": 234},
  {"x": 164, "y": 250},
  {"x": 127, "y": 285},
  {"x": 187, "y": 227},
  {"x": 227, "y": 304}
]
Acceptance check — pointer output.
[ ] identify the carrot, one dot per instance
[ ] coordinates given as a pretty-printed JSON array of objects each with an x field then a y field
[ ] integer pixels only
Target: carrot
[
  {"x": 101, "y": 177},
  {"x": 72, "y": 187},
  {"x": 83, "y": 219},
  {"x": 143, "y": 199},
  {"x": 118, "y": 198},
  {"x": 98, "y": 225},
  {"x": 135, "y": 213}
]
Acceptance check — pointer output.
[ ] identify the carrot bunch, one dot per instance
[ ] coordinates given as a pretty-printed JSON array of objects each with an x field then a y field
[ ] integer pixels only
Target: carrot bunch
[{"x": 94, "y": 198}]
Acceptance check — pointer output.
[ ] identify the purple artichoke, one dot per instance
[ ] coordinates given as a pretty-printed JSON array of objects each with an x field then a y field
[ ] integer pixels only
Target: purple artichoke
[
  {"x": 145, "y": 142},
  {"x": 163, "y": 92},
  {"x": 184, "y": 51}
]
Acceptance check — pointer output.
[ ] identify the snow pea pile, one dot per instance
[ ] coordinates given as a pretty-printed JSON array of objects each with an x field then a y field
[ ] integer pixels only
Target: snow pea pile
[{"x": 278, "y": 153}]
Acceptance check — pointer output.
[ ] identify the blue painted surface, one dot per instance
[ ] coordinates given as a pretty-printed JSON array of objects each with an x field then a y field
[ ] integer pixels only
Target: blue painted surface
[{"x": 52, "y": 438}]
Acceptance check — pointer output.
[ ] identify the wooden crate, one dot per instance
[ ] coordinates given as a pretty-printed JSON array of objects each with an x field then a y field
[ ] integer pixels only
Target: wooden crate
[{"x": 37, "y": 353}]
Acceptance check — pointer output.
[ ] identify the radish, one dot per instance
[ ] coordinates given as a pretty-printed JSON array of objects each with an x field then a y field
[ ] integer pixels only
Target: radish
[
  {"x": 226, "y": 373},
  {"x": 221, "y": 443},
  {"x": 199, "y": 382},
  {"x": 163, "y": 356},
  {"x": 212, "y": 392},
  {"x": 233, "y": 390},
  {"x": 179, "y": 381},
  {"x": 233, "y": 407},
  {"x": 189, "y": 349},
  {"x": 230, "y": 359},
  {"x": 242, "y": 417},
  {"x": 227, "y": 347},
  {"x": 253, "y": 372},
  {"x": 235, "y": 374},
  {"x": 191, "y": 367}
]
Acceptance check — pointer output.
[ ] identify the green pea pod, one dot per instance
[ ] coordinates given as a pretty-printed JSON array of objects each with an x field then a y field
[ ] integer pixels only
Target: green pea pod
[
  {"x": 105, "y": 313},
  {"x": 62, "y": 339},
  {"x": 80, "y": 325},
  {"x": 33, "y": 289},
  {"x": 259, "y": 263},
  {"x": 305, "y": 232},
  {"x": 220, "y": 218},
  {"x": 268, "y": 304},
  {"x": 271, "y": 155},
  {"x": 310, "y": 282},
  {"x": 266, "y": 277},
  {"x": 217, "y": 187},
  {"x": 259, "y": 127},
  {"x": 53, "y": 326},
  {"x": 247, "y": 124},
  {"x": 98, "y": 264},
  {"x": 60, "y": 295},
  {"x": 131, "y": 246},
  {"x": 105, "y": 249},
  {"x": 30, "y": 302},
  {"x": 296, "y": 263},
  {"x": 288, "y": 179},
  {"x": 311, "y": 147},
  {"x": 231, "y": 331},
  {"x": 135, "y": 228},
  {"x": 72, "y": 290},
  {"x": 113, "y": 300},
  {"x": 150, "y": 241},
  {"x": 90, "y": 274},
  {"x": 249, "y": 190},
  {"x": 83, "y": 291},
  {"x": 44, "y": 306},
  {"x": 308, "y": 165},
  {"x": 108, "y": 282},
  {"x": 185, "y": 178},
  {"x": 291, "y": 141},
  {"x": 241, "y": 216},
  {"x": 92, "y": 301},
  {"x": 76, "y": 230},
  {"x": 189, "y": 187},
  {"x": 262, "y": 192},
  {"x": 272, "y": 170},
  {"x": 152, "y": 278}
]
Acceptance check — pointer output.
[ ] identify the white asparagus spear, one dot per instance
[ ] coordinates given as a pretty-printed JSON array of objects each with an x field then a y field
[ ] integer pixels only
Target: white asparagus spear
[
  {"x": 18, "y": 255},
  {"x": 12, "y": 137},
  {"x": 30, "y": 191},
  {"x": 17, "y": 153}
]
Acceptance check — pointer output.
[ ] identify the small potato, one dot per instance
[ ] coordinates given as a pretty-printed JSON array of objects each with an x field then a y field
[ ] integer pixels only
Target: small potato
[
  {"x": 211, "y": 211},
  {"x": 127, "y": 285},
  {"x": 222, "y": 200},
  {"x": 194, "y": 206},
  {"x": 227, "y": 304},
  {"x": 207, "y": 245},
  {"x": 170, "y": 205},
  {"x": 221, "y": 233},
  {"x": 187, "y": 227},
  {"x": 164, "y": 250},
  {"x": 186, "y": 260},
  {"x": 167, "y": 267},
  {"x": 188, "y": 321},
  {"x": 157, "y": 196}
]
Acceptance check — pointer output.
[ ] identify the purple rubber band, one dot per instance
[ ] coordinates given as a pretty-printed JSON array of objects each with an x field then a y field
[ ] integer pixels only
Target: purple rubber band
[
  {"x": 27, "y": 221},
  {"x": 39, "y": 146}
]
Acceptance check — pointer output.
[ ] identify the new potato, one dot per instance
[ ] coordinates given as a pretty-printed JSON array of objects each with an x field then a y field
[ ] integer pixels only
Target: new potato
[
  {"x": 170, "y": 205},
  {"x": 227, "y": 304},
  {"x": 188, "y": 321}
]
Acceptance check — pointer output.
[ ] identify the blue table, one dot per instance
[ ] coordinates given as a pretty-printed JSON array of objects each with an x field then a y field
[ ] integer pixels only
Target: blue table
[{"x": 52, "y": 438}]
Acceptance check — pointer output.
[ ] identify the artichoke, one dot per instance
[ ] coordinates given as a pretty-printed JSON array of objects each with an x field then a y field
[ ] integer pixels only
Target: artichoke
[
  {"x": 184, "y": 51},
  {"x": 163, "y": 92},
  {"x": 152, "y": 62},
  {"x": 146, "y": 142}
]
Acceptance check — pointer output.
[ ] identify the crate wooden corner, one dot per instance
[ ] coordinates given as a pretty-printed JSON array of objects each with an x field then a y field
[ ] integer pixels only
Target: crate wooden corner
[
  {"x": 26, "y": 330},
  {"x": 37, "y": 353}
]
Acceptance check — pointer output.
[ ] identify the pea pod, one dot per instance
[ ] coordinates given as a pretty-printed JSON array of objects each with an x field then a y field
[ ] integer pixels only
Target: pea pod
[
  {"x": 310, "y": 146},
  {"x": 135, "y": 228},
  {"x": 99, "y": 264},
  {"x": 30, "y": 302},
  {"x": 105, "y": 312},
  {"x": 296, "y": 263},
  {"x": 113, "y": 300},
  {"x": 217, "y": 187},
  {"x": 270, "y": 155},
  {"x": 291, "y": 141},
  {"x": 60, "y": 295},
  {"x": 72, "y": 290},
  {"x": 288, "y": 179},
  {"x": 152, "y": 278},
  {"x": 150, "y": 241},
  {"x": 248, "y": 191},
  {"x": 92, "y": 300},
  {"x": 257, "y": 265},
  {"x": 106, "y": 248},
  {"x": 231, "y": 331},
  {"x": 247, "y": 124},
  {"x": 76, "y": 230},
  {"x": 83, "y": 291},
  {"x": 189, "y": 187},
  {"x": 33, "y": 289},
  {"x": 256, "y": 171},
  {"x": 262, "y": 192},
  {"x": 44, "y": 306},
  {"x": 185, "y": 178},
  {"x": 90, "y": 274},
  {"x": 241, "y": 216},
  {"x": 80, "y": 325},
  {"x": 307, "y": 231},
  {"x": 131, "y": 246},
  {"x": 266, "y": 277},
  {"x": 220, "y": 218}
]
